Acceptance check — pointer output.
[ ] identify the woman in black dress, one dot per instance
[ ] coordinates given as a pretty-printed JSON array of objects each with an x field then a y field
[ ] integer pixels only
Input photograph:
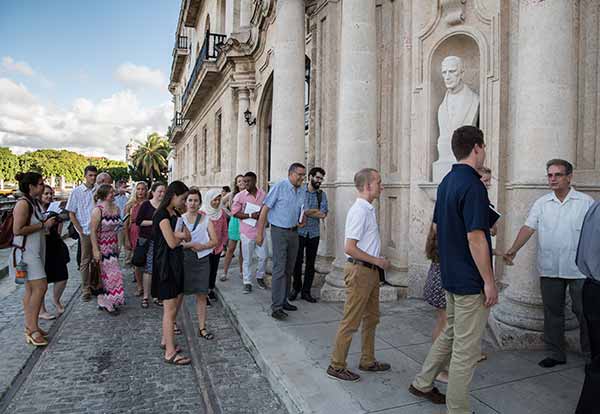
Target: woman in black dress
[
  {"x": 167, "y": 266},
  {"x": 57, "y": 257}
]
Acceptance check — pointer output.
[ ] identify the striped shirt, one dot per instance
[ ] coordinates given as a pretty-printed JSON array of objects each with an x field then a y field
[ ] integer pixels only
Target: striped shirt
[
  {"x": 81, "y": 203},
  {"x": 311, "y": 201}
]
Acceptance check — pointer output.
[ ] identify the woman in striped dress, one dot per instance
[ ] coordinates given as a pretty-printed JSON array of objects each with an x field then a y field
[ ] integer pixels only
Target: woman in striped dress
[{"x": 105, "y": 225}]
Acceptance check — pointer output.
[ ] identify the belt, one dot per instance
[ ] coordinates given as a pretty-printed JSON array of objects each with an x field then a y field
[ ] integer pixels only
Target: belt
[
  {"x": 295, "y": 228},
  {"x": 360, "y": 262}
]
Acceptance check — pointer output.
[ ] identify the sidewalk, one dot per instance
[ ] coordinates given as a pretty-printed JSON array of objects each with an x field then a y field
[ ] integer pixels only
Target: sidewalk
[{"x": 295, "y": 354}]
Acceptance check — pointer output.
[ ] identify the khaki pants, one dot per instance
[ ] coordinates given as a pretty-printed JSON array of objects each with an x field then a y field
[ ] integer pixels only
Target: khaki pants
[
  {"x": 461, "y": 344},
  {"x": 362, "y": 304},
  {"x": 86, "y": 261}
]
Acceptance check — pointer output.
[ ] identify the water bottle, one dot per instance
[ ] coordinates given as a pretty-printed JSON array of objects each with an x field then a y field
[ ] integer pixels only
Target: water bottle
[{"x": 20, "y": 272}]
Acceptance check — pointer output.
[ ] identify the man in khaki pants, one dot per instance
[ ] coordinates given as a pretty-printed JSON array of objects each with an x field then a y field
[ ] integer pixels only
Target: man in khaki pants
[
  {"x": 462, "y": 219},
  {"x": 361, "y": 275}
]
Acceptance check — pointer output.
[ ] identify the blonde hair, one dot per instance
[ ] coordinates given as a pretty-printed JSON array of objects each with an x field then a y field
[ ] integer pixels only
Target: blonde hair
[{"x": 133, "y": 196}]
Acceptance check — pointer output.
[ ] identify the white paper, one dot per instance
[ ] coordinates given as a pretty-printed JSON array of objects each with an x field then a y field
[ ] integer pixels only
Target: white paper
[
  {"x": 249, "y": 209},
  {"x": 179, "y": 224},
  {"x": 301, "y": 214},
  {"x": 54, "y": 207}
]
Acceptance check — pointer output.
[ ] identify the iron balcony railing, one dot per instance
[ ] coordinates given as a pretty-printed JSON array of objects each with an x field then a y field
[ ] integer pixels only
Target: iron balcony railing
[
  {"x": 181, "y": 42},
  {"x": 178, "y": 120},
  {"x": 209, "y": 52}
]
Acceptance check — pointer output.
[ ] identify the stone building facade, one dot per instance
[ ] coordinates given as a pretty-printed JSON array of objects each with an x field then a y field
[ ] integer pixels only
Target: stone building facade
[{"x": 346, "y": 84}]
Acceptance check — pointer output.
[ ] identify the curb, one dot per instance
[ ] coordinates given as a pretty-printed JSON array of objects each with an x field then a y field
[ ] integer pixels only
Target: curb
[{"x": 273, "y": 377}]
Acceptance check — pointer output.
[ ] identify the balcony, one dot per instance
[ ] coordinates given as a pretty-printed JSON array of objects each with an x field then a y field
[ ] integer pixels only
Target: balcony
[
  {"x": 181, "y": 51},
  {"x": 201, "y": 72},
  {"x": 191, "y": 13},
  {"x": 177, "y": 127}
]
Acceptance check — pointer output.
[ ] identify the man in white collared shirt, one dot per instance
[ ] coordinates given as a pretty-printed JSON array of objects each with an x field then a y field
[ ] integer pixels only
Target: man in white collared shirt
[
  {"x": 557, "y": 217},
  {"x": 361, "y": 276},
  {"x": 80, "y": 206}
]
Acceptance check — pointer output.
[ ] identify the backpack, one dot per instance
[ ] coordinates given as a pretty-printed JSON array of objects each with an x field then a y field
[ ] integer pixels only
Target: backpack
[{"x": 6, "y": 228}]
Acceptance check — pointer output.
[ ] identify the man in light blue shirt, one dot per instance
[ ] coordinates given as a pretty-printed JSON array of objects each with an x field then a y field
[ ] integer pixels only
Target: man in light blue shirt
[{"x": 283, "y": 208}]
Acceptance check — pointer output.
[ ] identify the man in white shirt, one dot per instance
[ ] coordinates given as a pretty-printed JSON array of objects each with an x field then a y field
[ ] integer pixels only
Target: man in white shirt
[
  {"x": 557, "y": 217},
  {"x": 80, "y": 206},
  {"x": 361, "y": 275}
]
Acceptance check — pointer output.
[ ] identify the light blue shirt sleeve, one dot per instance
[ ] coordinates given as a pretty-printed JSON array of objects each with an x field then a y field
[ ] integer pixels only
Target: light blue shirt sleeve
[
  {"x": 271, "y": 198},
  {"x": 324, "y": 204}
]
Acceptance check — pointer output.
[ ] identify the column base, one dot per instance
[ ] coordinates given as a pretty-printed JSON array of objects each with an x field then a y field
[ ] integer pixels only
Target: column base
[
  {"x": 334, "y": 289},
  {"x": 513, "y": 337}
]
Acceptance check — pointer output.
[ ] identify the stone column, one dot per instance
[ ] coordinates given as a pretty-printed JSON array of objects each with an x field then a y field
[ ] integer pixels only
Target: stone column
[
  {"x": 243, "y": 133},
  {"x": 287, "y": 144},
  {"x": 357, "y": 126},
  {"x": 546, "y": 116},
  {"x": 245, "y": 13},
  {"x": 229, "y": 17}
]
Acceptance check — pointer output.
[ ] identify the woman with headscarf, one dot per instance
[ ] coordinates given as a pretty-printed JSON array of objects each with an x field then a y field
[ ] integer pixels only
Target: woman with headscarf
[{"x": 212, "y": 209}]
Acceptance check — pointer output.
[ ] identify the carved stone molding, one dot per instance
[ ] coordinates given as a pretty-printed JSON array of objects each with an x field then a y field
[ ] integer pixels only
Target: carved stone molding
[{"x": 454, "y": 11}]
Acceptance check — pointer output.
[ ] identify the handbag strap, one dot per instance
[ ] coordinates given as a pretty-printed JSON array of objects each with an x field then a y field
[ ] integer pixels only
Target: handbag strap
[{"x": 198, "y": 218}]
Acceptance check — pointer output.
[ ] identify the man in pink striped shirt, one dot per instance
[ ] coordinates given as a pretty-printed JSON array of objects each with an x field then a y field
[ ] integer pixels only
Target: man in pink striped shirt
[{"x": 246, "y": 207}]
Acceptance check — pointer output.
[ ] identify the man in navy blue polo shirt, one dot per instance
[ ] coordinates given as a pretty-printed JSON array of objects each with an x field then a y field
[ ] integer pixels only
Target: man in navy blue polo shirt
[{"x": 462, "y": 218}]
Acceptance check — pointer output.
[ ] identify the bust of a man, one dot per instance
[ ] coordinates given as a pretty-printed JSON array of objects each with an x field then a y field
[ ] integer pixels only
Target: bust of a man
[{"x": 459, "y": 107}]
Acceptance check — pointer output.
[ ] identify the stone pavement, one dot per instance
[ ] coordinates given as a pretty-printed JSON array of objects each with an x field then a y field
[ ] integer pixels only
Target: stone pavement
[
  {"x": 97, "y": 363},
  {"x": 295, "y": 353}
]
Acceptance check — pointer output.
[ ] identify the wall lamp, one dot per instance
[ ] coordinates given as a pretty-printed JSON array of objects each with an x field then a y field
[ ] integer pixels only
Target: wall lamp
[{"x": 248, "y": 118}]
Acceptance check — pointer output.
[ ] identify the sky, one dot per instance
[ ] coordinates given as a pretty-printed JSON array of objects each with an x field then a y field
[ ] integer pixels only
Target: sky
[{"x": 85, "y": 75}]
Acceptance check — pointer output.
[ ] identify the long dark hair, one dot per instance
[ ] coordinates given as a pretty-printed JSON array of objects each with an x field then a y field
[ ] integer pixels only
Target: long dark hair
[
  {"x": 176, "y": 188},
  {"x": 27, "y": 179},
  {"x": 153, "y": 188},
  {"x": 431, "y": 249},
  {"x": 236, "y": 189}
]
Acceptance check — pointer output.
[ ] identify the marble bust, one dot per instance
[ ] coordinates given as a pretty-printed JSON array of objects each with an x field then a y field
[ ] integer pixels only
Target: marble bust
[{"x": 459, "y": 107}]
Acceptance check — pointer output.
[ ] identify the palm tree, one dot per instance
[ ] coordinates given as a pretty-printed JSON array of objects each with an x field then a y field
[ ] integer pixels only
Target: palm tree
[{"x": 151, "y": 156}]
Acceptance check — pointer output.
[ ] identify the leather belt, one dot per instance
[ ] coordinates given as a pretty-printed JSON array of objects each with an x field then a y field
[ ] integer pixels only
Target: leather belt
[
  {"x": 295, "y": 228},
  {"x": 360, "y": 262}
]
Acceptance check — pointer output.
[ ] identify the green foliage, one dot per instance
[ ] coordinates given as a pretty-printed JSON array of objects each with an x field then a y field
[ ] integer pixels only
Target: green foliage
[
  {"x": 51, "y": 162},
  {"x": 9, "y": 166},
  {"x": 150, "y": 159}
]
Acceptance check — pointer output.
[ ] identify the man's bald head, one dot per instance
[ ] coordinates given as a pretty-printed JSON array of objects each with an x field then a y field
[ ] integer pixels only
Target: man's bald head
[{"x": 104, "y": 178}]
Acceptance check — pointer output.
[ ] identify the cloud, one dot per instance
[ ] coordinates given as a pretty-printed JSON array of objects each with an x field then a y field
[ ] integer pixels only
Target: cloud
[
  {"x": 92, "y": 128},
  {"x": 136, "y": 76},
  {"x": 23, "y": 68},
  {"x": 11, "y": 65}
]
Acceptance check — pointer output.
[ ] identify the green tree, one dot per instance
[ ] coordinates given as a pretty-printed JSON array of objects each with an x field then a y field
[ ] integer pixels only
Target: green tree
[
  {"x": 9, "y": 166},
  {"x": 151, "y": 157}
]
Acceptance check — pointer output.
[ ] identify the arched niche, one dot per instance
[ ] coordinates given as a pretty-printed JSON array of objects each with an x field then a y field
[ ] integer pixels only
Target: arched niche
[{"x": 466, "y": 48}]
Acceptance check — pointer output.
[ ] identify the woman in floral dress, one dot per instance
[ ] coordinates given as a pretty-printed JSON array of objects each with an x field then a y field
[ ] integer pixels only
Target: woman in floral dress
[{"x": 105, "y": 225}]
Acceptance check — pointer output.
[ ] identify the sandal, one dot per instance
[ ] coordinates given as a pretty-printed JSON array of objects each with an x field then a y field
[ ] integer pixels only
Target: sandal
[
  {"x": 177, "y": 348},
  {"x": 223, "y": 277},
  {"x": 145, "y": 303},
  {"x": 139, "y": 292},
  {"x": 178, "y": 360},
  {"x": 203, "y": 333},
  {"x": 157, "y": 302},
  {"x": 36, "y": 340},
  {"x": 176, "y": 329},
  {"x": 46, "y": 316},
  {"x": 40, "y": 330}
]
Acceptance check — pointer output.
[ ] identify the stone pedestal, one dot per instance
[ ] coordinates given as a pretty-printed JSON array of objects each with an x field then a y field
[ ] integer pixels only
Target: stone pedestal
[
  {"x": 545, "y": 121},
  {"x": 243, "y": 133},
  {"x": 287, "y": 145}
]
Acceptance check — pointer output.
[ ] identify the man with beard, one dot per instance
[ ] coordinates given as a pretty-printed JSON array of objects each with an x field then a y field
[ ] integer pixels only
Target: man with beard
[{"x": 316, "y": 208}]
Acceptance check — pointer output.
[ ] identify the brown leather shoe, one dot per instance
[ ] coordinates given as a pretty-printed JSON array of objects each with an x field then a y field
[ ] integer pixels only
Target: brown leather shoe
[
  {"x": 435, "y": 396},
  {"x": 376, "y": 367},
  {"x": 342, "y": 374}
]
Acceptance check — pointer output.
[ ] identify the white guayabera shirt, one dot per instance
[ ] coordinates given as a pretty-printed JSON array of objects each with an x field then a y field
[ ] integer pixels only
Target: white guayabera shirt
[
  {"x": 81, "y": 203},
  {"x": 558, "y": 226}
]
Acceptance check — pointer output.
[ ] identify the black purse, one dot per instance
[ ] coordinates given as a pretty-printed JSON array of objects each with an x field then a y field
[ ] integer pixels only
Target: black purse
[{"x": 140, "y": 252}]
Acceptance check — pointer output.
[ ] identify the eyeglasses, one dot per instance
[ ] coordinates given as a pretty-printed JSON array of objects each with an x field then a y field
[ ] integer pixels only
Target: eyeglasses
[{"x": 556, "y": 175}]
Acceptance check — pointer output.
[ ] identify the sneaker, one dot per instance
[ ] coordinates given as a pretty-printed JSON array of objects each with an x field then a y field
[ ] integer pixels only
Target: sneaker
[
  {"x": 342, "y": 374},
  {"x": 288, "y": 307},
  {"x": 261, "y": 284},
  {"x": 212, "y": 295},
  {"x": 247, "y": 288}
]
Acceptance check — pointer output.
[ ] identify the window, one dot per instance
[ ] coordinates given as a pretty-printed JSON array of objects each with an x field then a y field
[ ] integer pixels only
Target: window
[
  {"x": 204, "y": 149},
  {"x": 217, "y": 157},
  {"x": 195, "y": 154}
]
